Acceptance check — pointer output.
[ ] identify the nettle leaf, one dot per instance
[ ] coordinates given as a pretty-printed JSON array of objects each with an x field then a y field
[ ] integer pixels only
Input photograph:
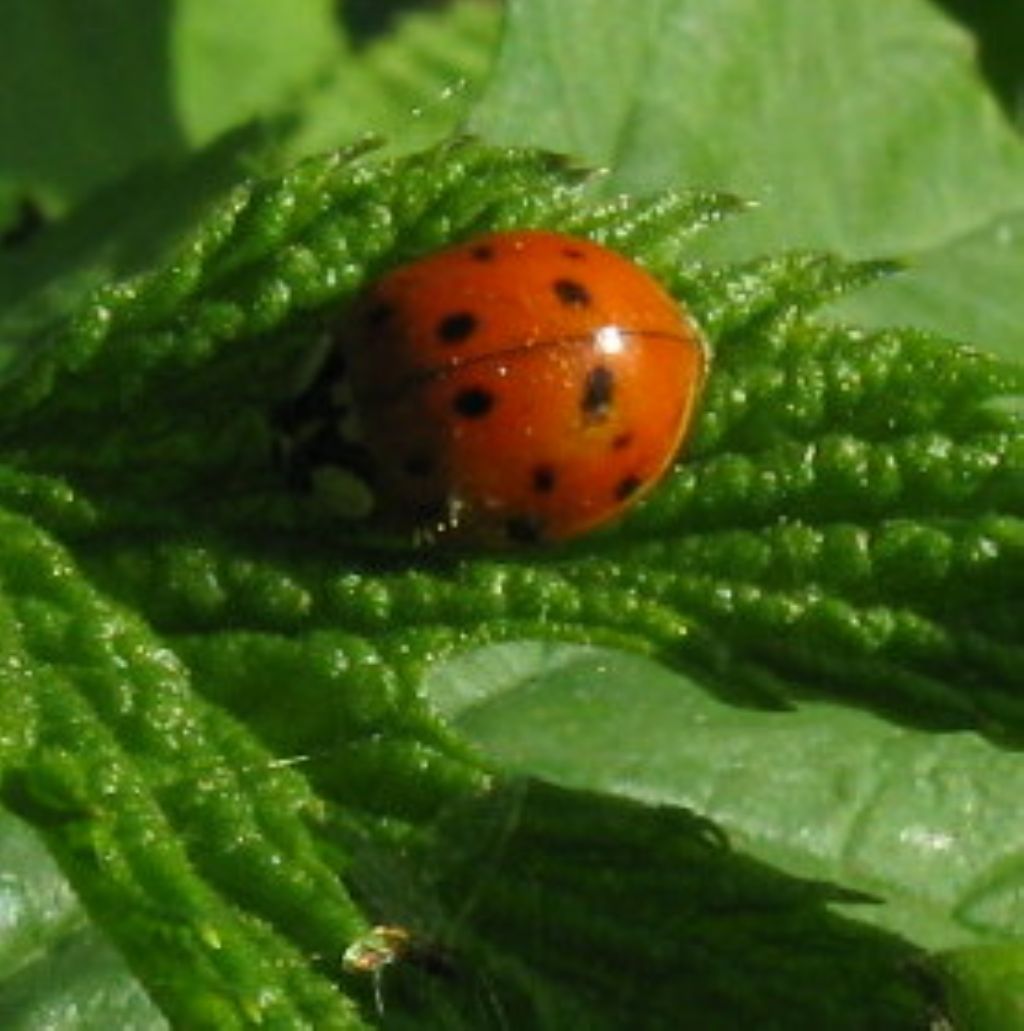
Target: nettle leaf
[
  {"x": 217, "y": 715},
  {"x": 99, "y": 723}
]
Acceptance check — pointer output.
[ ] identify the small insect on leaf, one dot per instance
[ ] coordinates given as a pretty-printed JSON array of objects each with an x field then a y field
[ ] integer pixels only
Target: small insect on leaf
[
  {"x": 387, "y": 945},
  {"x": 378, "y": 948}
]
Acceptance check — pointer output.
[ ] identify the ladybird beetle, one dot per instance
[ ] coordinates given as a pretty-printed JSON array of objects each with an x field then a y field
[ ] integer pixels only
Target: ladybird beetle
[{"x": 519, "y": 387}]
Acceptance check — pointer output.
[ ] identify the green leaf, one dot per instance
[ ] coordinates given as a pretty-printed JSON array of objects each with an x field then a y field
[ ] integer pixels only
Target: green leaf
[
  {"x": 997, "y": 27},
  {"x": 759, "y": 127},
  {"x": 56, "y": 970},
  {"x": 857, "y": 491},
  {"x": 847, "y": 522},
  {"x": 819, "y": 790},
  {"x": 105, "y": 715},
  {"x": 859, "y": 127},
  {"x": 192, "y": 75},
  {"x": 237, "y": 59},
  {"x": 47, "y": 58},
  {"x": 410, "y": 86},
  {"x": 985, "y": 987},
  {"x": 661, "y": 907},
  {"x": 123, "y": 229},
  {"x": 967, "y": 288},
  {"x": 230, "y": 720}
]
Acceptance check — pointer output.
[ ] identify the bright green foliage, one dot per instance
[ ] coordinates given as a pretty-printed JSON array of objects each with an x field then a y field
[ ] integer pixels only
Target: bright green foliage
[
  {"x": 986, "y": 987},
  {"x": 858, "y": 490},
  {"x": 847, "y": 520},
  {"x": 248, "y": 734},
  {"x": 107, "y": 751}
]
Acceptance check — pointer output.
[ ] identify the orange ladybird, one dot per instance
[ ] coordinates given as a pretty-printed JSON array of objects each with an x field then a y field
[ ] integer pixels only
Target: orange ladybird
[{"x": 520, "y": 387}]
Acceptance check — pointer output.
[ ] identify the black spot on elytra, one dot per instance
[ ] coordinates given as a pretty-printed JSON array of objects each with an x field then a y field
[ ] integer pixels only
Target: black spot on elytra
[
  {"x": 473, "y": 402},
  {"x": 482, "y": 252},
  {"x": 525, "y": 529},
  {"x": 573, "y": 253},
  {"x": 544, "y": 479},
  {"x": 627, "y": 487},
  {"x": 418, "y": 466},
  {"x": 456, "y": 327},
  {"x": 598, "y": 391},
  {"x": 622, "y": 441},
  {"x": 571, "y": 293}
]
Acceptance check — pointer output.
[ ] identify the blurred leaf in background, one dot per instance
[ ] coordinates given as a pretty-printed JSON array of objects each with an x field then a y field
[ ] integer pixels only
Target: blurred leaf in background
[
  {"x": 997, "y": 29},
  {"x": 859, "y": 127}
]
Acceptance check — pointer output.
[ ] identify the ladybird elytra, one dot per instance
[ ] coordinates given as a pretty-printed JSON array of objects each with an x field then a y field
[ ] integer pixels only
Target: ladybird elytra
[{"x": 520, "y": 387}]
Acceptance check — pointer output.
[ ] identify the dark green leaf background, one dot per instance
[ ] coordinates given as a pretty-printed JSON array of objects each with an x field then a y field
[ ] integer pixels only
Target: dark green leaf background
[{"x": 752, "y": 757}]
